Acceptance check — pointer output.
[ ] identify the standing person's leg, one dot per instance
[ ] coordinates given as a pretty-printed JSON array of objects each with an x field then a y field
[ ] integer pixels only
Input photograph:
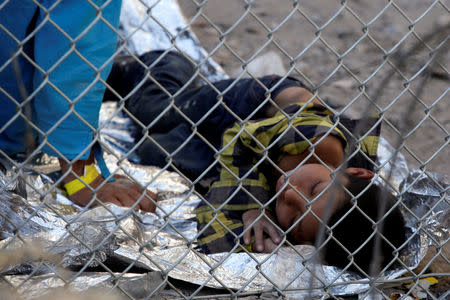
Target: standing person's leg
[
  {"x": 74, "y": 56},
  {"x": 16, "y": 17},
  {"x": 74, "y": 49}
]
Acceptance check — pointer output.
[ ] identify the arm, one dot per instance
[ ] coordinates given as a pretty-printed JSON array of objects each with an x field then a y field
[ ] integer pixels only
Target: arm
[
  {"x": 243, "y": 196},
  {"x": 329, "y": 150},
  {"x": 122, "y": 191}
]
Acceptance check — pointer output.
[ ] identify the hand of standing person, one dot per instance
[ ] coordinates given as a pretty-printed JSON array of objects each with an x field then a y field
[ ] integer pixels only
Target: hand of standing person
[{"x": 122, "y": 191}]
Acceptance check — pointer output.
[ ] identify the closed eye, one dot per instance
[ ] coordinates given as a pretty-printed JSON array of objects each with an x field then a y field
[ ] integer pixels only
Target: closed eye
[{"x": 314, "y": 189}]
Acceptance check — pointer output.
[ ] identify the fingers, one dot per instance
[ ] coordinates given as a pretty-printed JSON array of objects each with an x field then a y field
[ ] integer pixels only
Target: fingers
[
  {"x": 145, "y": 200},
  {"x": 248, "y": 234},
  {"x": 262, "y": 244},
  {"x": 150, "y": 194},
  {"x": 258, "y": 245},
  {"x": 273, "y": 233},
  {"x": 146, "y": 203},
  {"x": 113, "y": 201},
  {"x": 125, "y": 199},
  {"x": 122, "y": 192},
  {"x": 259, "y": 238},
  {"x": 135, "y": 194},
  {"x": 261, "y": 226},
  {"x": 269, "y": 246},
  {"x": 98, "y": 199},
  {"x": 247, "y": 218}
]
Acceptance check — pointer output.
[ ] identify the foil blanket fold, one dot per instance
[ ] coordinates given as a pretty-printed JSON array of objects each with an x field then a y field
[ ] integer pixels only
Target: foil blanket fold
[{"x": 164, "y": 243}]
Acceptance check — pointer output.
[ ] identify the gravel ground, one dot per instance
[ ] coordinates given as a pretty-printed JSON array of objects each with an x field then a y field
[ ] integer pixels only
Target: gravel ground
[
  {"x": 332, "y": 53},
  {"x": 336, "y": 50}
]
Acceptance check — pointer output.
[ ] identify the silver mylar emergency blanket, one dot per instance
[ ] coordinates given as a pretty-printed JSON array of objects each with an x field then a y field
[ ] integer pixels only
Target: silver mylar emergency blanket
[{"x": 165, "y": 241}]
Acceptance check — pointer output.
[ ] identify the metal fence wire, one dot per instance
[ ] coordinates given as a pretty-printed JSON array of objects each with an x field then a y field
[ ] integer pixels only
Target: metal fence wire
[{"x": 198, "y": 149}]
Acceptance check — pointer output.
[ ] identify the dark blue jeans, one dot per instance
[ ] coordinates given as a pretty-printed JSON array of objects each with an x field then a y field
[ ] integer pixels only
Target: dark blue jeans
[{"x": 203, "y": 112}]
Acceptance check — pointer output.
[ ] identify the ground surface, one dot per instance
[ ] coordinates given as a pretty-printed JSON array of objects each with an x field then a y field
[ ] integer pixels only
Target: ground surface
[
  {"x": 311, "y": 38},
  {"x": 332, "y": 53}
]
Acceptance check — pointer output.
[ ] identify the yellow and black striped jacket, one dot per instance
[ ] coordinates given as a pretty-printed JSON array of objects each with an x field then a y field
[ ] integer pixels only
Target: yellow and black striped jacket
[{"x": 248, "y": 155}]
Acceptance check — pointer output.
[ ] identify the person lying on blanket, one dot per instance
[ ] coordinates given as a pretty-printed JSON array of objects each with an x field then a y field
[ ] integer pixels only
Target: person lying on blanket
[{"x": 278, "y": 164}]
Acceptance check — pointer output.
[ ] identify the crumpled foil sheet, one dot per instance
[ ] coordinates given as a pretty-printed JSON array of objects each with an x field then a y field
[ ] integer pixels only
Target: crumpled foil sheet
[
  {"x": 165, "y": 241},
  {"x": 137, "y": 286},
  {"x": 426, "y": 198},
  {"x": 393, "y": 165},
  {"x": 159, "y": 25}
]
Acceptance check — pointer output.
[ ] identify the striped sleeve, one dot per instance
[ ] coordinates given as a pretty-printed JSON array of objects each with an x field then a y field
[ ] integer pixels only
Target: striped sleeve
[
  {"x": 241, "y": 184},
  {"x": 246, "y": 150}
]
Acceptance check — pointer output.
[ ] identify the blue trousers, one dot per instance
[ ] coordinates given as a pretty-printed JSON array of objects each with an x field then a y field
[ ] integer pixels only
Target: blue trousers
[{"x": 63, "y": 50}]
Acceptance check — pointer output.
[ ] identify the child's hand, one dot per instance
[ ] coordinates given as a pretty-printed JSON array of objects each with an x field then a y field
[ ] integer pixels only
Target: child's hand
[{"x": 264, "y": 224}]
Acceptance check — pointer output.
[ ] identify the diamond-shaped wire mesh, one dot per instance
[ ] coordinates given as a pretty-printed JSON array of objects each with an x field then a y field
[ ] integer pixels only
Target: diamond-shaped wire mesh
[{"x": 224, "y": 149}]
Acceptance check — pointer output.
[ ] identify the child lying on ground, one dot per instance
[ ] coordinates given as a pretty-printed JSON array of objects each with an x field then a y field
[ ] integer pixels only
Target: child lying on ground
[{"x": 272, "y": 153}]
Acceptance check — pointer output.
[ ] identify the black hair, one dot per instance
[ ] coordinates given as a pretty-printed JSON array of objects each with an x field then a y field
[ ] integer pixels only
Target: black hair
[{"x": 356, "y": 227}]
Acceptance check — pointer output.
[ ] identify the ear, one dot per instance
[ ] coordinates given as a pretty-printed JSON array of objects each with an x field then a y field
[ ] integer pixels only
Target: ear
[{"x": 360, "y": 172}]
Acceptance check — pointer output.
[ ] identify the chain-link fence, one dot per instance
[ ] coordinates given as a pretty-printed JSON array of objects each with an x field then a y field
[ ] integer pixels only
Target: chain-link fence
[{"x": 224, "y": 149}]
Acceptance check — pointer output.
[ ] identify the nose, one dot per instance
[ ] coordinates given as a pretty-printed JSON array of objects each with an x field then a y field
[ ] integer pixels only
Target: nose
[
  {"x": 286, "y": 185},
  {"x": 280, "y": 183},
  {"x": 295, "y": 194}
]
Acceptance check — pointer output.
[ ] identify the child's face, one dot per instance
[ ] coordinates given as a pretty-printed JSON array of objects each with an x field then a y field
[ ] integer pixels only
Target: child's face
[{"x": 310, "y": 191}]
